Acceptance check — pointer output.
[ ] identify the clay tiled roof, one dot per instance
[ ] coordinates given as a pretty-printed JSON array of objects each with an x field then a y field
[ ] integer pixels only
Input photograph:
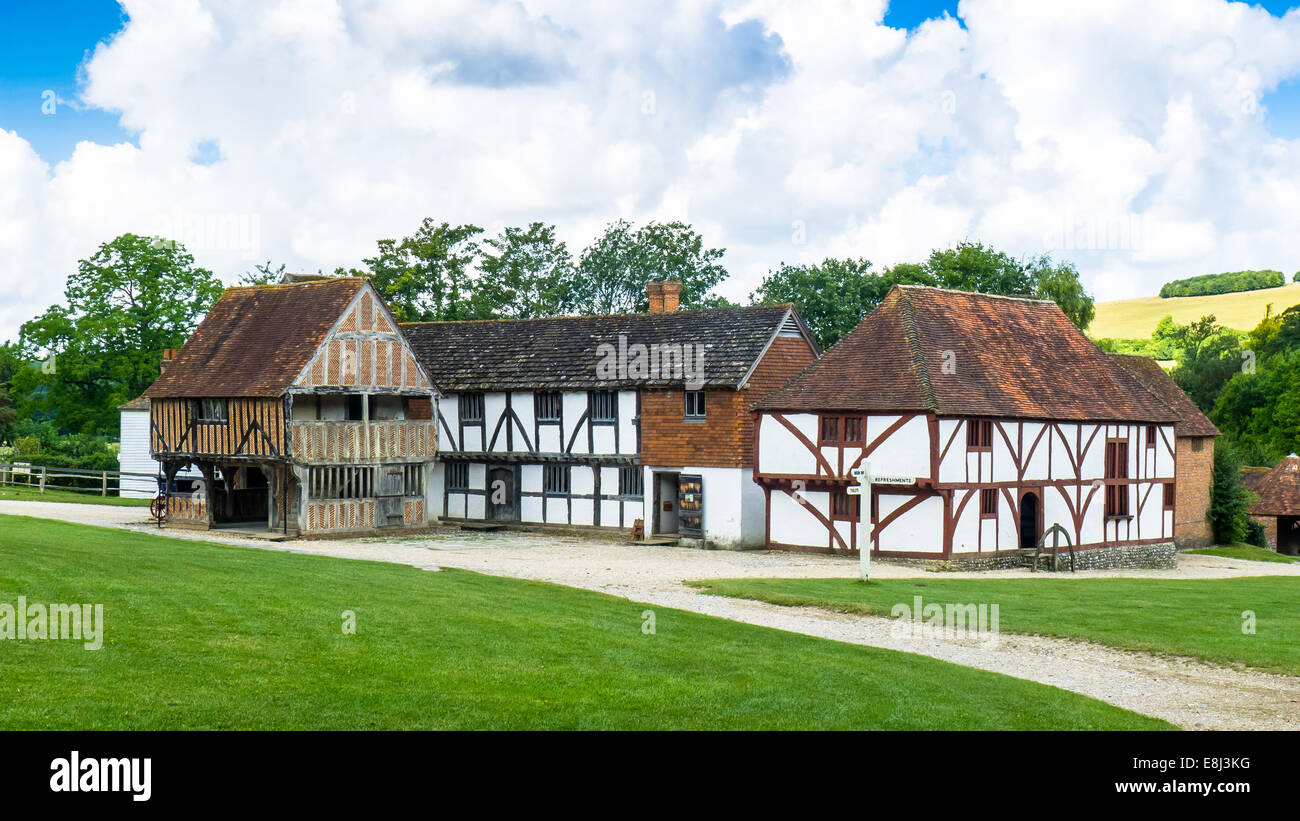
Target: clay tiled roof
[
  {"x": 1251, "y": 476},
  {"x": 956, "y": 353},
  {"x": 1191, "y": 422},
  {"x": 1279, "y": 490},
  {"x": 140, "y": 403},
  {"x": 561, "y": 352},
  {"x": 256, "y": 340}
]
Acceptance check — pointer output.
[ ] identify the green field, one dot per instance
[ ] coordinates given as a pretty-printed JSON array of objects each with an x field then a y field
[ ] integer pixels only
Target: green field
[
  {"x": 1137, "y": 318},
  {"x": 201, "y": 635},
  {"x": 1245, "y": 551},
  {"x": 23, "y": 494},
  {"x": 1201, "y": 618}
]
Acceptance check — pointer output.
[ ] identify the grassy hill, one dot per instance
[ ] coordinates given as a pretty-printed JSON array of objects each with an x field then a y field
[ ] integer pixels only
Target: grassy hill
[{"x": 1137, "y": 318}]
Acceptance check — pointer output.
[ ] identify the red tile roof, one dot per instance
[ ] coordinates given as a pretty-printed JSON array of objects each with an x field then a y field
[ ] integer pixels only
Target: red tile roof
[
  {"x": 1279, "y": 490},
  {"x": 256, "y": 340},
  {"x": 1191, "y": 422},
  {"x": 956, "y": 353}
]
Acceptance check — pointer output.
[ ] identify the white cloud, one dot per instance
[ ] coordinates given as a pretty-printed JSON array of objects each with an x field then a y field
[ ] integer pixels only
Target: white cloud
[{"x": 1127, "y": 137}]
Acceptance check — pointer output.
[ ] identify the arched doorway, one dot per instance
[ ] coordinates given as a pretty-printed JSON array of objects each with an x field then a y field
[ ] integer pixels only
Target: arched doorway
[{"x": 1029, "y": 519}]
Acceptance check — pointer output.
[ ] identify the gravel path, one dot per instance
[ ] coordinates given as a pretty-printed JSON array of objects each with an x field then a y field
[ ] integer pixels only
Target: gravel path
[{"x": 1189, "y": 693}]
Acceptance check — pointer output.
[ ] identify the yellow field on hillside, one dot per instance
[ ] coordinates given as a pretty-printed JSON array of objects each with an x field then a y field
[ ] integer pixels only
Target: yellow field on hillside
[{"x": 1137, "y": 318}]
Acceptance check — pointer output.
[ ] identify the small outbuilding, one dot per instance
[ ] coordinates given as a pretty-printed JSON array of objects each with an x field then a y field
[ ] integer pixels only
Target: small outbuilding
[{"x": 1278, "y": 508}]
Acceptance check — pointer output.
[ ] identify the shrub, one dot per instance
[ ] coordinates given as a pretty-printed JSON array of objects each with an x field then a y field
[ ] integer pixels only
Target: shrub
[{"x": 1225, "y": 283}]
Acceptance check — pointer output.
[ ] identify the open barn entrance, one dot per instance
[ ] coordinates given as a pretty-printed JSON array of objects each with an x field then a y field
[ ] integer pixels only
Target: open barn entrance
[
  {"x": 1288, "y": 535},
  {"x": 1029, "y": 520}
]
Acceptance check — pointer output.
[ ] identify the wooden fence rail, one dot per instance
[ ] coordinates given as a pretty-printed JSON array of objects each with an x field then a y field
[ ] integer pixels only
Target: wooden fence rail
[{"x": 43, "y": 477}]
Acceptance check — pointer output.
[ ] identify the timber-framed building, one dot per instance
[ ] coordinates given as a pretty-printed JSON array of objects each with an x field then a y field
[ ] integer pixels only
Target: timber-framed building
[{"x": 303, "y": 408}]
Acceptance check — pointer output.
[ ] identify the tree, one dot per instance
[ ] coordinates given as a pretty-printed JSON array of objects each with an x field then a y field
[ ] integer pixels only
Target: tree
[
  {"x": 612, "y": 272},
  {"x": 972, "y": 266},
  {"x": 1229, "y": 498},
  {"x": 833, "y": 296},
  {"x": 1060, "y": 283},
  {"x": 521, "y": 274},
  {"x": 426, "y": 277},
  {"x": 1208, "y": 355},
  {"x": 9, "y": 364},
  {"x": 263, "y": 274},
  {"x": 134, "y": 298}
]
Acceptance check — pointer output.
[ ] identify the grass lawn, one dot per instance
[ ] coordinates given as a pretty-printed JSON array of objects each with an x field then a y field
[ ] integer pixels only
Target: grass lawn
[
  {"x": 1245, "y": 551},
  {"x": 1194, "y": 617},
  {"x": 23, "y": 494},
  {"x": 210, "y": 636},
  {"x": 1137, "y": 318}
]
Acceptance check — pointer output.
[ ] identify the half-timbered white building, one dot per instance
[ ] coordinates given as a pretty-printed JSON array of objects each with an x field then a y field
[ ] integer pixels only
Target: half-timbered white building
[
  {"x": 1007, "y": 417},
  {"x": 598, "y": 421}
]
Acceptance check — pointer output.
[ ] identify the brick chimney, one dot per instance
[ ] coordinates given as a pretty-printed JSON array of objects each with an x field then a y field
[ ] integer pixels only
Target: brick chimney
[
  {"x": 665, "y": 295},
  {"x": 168, "y": 356}
]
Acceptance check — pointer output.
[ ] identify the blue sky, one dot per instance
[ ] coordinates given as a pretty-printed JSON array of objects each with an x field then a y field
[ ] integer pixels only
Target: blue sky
[{"x": 42, "y": 47}]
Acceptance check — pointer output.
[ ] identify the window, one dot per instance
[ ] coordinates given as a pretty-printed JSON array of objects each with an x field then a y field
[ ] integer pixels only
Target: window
[
  {"x": 555, "y": 478},
  {"x": 356, "y": 411},
  {"x": 844, "y": 506},
  {"x": 210, "y": 411},
  {"x": 547, "y": 406},
  {"x": 630, "y": 482},
  {"x": 989, "y": 503},
  {"x": 842, "y": 430},
  {"x": 341, "y": 482},
  {"x": 1197, "y": 444},
  {"x": 695, "y": 404},
  {"x": 1151, "y": 436},
  {"x": 979, "y": 434},
  {"x": 413, "y": 480},
  {"x": 457, "y": 474},
  {"x": 1169, "y": 495},
  {"x": 830, "y": 429},
  {"x": 603, "y": 406},
  {"x": 1116, "y": 468},
  {"x": 471, "y": 407},
  {"x": 853, "y": 428}
]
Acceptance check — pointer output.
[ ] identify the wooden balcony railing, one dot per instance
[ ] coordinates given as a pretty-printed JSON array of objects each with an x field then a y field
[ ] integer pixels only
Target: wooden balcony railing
[{"x": 346, "y": 441}]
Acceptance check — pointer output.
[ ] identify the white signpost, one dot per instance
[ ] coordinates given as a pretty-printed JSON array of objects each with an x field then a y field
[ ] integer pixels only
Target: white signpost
[{"x": 863, "y": 489}]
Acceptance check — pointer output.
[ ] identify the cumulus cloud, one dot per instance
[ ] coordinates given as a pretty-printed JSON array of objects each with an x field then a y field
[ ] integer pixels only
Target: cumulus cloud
[{"x": 1127, "y": 137}]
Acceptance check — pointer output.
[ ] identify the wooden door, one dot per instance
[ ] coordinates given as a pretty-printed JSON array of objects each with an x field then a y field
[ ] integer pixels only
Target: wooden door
[{"x": 501, "y": 504}]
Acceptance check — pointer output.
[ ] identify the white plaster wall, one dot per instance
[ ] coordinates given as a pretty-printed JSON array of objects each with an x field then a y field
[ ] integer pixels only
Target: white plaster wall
[
  {"x": 919, "y": 530},
  {"x": 793, "y": 524},
  {"x": 779, "y": 452}
]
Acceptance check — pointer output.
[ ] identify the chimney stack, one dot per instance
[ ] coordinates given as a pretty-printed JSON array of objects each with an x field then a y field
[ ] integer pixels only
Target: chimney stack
[
  {"x": 665, "y": 295},
  {"x": 168, "y": 356}
]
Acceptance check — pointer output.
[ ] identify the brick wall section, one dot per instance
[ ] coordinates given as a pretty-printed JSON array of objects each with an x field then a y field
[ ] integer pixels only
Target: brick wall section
[
  {"x": 1269, "y": 523},
  {"x": 725, "y": 438},
  {"x": 1195, "y": 471}
]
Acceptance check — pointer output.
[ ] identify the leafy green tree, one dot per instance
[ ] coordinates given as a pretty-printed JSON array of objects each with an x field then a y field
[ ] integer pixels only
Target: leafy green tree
[
  {"x": 1060, "y": 283},
  {"x": 1229, "y": 498},
  {"x": 426, "y": 277},
  {"x": 833, "y": 296},
  {"x": 131, "y": 300},
  {"x": 612, "y": 272},
  {"x": 521, "y": 274},
  {"x": 9, "y": 365},
  {"x": 1208, "y": 355}
]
